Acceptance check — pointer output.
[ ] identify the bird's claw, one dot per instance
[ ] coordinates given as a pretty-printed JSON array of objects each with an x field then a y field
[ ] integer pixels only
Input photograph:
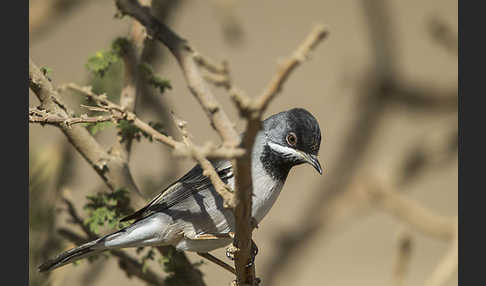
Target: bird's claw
[{"x": 231, "y": 252}]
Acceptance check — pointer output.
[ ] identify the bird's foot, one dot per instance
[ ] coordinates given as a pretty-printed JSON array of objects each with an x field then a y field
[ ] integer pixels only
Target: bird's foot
[{"x": 231, "y": 252}]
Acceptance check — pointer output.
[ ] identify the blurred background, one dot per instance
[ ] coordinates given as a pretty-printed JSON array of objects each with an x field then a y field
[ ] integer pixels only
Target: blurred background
[{"x": 383, "y": 87}]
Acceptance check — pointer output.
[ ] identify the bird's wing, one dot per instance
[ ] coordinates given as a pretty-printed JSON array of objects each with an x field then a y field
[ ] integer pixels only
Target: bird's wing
[{"x": 192, "y": 182}]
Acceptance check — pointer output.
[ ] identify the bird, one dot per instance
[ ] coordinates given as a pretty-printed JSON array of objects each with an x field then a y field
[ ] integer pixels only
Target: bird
[{"x": 190, "y": 215}]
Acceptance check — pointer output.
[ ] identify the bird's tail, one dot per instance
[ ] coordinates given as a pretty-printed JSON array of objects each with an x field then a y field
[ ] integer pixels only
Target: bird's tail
[
  {"x": 71, "y": 255},
  {"x": 145, "y": 232}
]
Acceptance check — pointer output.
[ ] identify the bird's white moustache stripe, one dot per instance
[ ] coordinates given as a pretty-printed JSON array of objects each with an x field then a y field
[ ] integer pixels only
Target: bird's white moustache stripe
[{"x": 284, "y": 150}]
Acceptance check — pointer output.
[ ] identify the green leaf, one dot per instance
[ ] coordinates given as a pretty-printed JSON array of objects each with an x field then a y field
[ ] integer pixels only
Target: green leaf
[
  {"x": 128, "y": 131},
  {"x": 101, "y": 62},
  {"x": 147, "y": 257},
  {"x": 153, "y": 79},
  {"x": 46, "y": 70},
  {"x": 93, "y": 128},
  {"x": 120, "y": 46},
  {"x": 107, "y": 208}
]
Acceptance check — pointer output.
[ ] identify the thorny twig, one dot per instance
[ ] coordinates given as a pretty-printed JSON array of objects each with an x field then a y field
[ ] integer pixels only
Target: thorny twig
[
  {"x": 119, "y": 113},
  {"x": 43, "y": 117}
]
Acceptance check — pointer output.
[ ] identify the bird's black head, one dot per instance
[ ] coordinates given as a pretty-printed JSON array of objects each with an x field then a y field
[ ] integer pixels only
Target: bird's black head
[{"x": 293, "y": 137}]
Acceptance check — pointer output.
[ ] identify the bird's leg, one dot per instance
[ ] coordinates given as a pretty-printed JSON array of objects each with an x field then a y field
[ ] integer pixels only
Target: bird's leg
[
  {"x": 208, "y": 236},
  {"x": 217, "y": 261}
]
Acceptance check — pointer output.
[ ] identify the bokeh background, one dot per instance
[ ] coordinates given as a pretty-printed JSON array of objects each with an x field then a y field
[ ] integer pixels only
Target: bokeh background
[{"x": 383, "y": 87}]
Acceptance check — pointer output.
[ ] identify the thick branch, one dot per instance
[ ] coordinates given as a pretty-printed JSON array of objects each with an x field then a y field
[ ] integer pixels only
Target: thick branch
[
  {"x": 184, "y": 54},
  {"x": 243, "y": 179},
  {"x": 132, "y": 80}
]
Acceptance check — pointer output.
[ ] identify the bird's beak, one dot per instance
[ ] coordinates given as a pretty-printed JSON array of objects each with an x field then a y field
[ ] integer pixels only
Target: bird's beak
[{"x": 312, "y": 160}]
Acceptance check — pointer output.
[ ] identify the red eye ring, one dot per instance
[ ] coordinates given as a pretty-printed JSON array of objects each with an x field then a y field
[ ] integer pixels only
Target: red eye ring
[{"x": 292, "y": 139}]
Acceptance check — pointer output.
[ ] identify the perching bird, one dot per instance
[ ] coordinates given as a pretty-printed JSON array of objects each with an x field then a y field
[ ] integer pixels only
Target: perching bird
[{"x": 190, "y": 215}]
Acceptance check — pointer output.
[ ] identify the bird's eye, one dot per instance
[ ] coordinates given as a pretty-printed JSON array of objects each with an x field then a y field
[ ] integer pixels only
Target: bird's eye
[{"x": 291, "y": 139}]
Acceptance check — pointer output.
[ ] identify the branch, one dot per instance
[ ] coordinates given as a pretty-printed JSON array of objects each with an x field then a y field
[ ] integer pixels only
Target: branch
[
  {"x": 43, "y": 117},
  {"x": 189, "y": 149},
  {"x": 184, "y": 54},
  {"x": 119, "y": 113},
  {"x": 318, "y": 33},
  {"x": 423, "y": 97},
  {"x": 209, "y": 171},
  {"x": 410, "y": 211},
  {"x": 133, "y": 82},
  {"x": 243, "y": 180},
  {"x": 110, "y": 168}
]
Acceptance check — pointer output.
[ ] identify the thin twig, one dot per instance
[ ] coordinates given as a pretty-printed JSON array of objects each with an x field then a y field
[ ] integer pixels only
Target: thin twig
[
  {"x": 118, "y": 113},
  {"x": 208, "y": 169},
  {"x": 318, "y": 33},
  {"x": 217, "y": 261},
  {"x": 42, "y": 117}
]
